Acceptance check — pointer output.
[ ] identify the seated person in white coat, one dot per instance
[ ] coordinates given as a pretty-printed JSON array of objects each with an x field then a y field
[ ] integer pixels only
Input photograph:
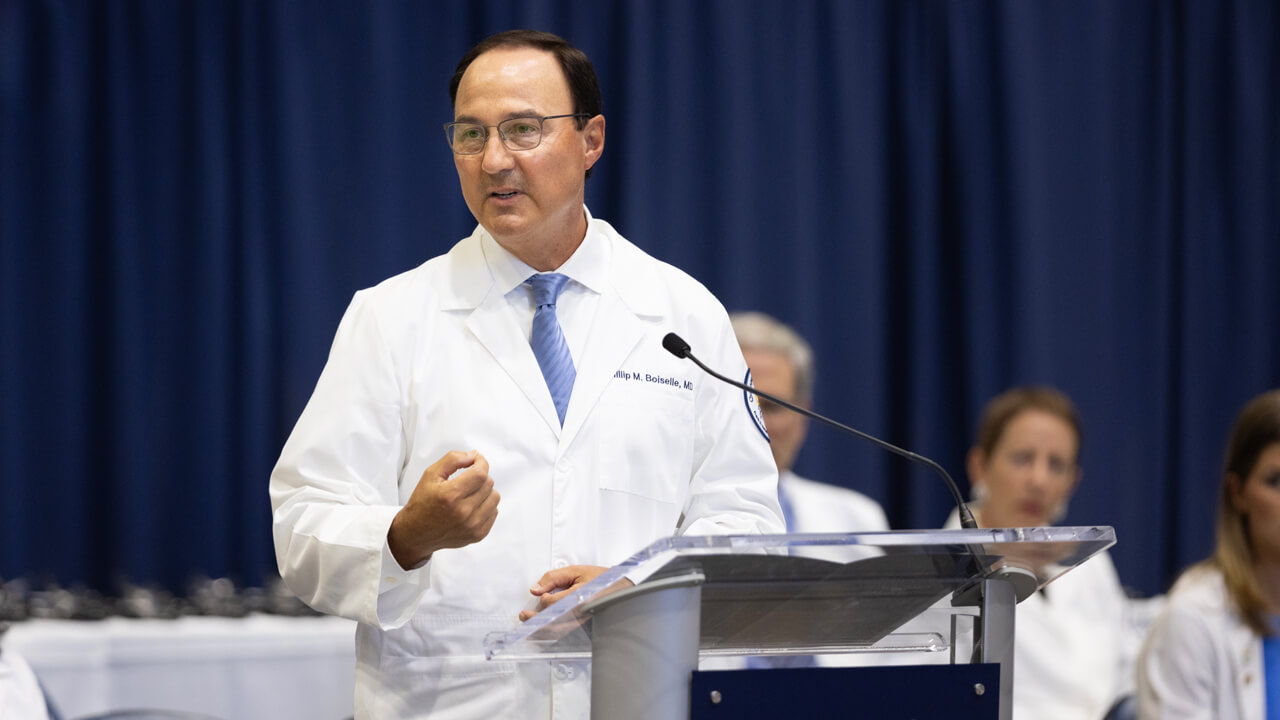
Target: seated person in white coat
[
  {"x": 1214, "y": 651},
  {"x": 1069, "y": 652},
  {"x": 497, "y": 425},
  {"x": 781, "y": 364}
]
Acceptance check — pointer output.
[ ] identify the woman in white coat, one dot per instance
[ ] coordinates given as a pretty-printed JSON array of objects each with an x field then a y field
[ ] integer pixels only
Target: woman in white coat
[
  {"x": 1069, "y": 651},
  {"x": 1214, "y": 651}
]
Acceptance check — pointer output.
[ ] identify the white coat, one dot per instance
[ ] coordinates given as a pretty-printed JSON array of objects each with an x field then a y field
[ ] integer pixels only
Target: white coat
[
  {"x": 1200, "y": 660},
  {"x": 1069, "y": 651},
  {"x": 20, "y": 694},
  {"x": 818, "y": 507},
  {"x": 809, "y": 506},
  {"x": 435, "y": 360}
]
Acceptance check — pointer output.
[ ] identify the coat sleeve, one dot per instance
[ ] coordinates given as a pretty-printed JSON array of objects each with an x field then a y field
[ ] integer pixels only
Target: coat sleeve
[
  {"x": 1178, "y": 666},
  {"x": 734, "y": 485},
  {"x": 335, "y": 487}
]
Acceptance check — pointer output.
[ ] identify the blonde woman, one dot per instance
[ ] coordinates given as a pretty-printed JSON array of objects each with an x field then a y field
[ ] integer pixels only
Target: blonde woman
[{"x": 1214, "y": 651}]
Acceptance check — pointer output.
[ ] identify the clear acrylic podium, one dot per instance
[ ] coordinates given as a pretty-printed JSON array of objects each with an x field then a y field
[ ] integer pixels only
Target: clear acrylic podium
[{"x": 645, "y": 622}]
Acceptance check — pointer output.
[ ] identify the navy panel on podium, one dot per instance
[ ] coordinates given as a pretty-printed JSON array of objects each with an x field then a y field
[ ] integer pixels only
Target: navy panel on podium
[{"x": 907, "y": 692}]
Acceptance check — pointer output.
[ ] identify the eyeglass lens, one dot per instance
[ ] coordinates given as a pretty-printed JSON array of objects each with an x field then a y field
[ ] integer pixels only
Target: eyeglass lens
[{"x": 522, "y": 133}]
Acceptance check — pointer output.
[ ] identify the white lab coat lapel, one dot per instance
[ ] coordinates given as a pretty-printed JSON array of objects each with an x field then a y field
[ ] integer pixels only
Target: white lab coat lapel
[
  {"x": 494, "y": 327},
  {"x": 615, "y": 332},
  {"x": 623, "y": 319},
  {"x": 492, "y": 323}
]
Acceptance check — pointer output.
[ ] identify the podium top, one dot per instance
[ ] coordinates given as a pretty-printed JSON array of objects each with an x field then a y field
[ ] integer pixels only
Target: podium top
[{"x": 813, "y": 592}]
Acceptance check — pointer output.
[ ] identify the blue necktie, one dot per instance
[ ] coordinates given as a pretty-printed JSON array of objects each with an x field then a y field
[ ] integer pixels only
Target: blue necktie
[{"x": 548, "y": 342}]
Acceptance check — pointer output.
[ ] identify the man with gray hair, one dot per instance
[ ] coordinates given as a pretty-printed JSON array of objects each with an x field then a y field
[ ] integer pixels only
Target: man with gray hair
[{"x": 781, "y": 364}]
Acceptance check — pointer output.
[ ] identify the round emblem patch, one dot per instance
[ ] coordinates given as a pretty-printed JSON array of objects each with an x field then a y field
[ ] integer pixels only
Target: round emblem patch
[{"x": 753, "y": 406}]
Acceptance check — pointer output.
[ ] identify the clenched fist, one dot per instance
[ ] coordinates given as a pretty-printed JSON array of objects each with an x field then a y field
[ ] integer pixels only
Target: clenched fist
[{"x": 453, "y": 505}]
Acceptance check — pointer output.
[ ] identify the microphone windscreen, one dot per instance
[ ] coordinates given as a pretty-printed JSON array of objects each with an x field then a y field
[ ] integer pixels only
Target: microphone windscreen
[{"x": 676, "y": 345}]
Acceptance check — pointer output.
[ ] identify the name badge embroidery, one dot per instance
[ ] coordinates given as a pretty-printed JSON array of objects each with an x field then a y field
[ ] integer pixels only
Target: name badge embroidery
[{"x": 633, "y": 376}]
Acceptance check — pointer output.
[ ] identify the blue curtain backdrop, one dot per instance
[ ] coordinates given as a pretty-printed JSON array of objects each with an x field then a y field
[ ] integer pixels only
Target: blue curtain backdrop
[{"x": 946, "y": 197}]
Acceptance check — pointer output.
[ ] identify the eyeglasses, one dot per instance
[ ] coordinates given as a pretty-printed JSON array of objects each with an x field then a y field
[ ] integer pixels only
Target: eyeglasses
[{"x": 518, "y": 133}]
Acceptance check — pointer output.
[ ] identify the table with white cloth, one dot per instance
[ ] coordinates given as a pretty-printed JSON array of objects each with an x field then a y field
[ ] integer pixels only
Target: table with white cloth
[{"x": 260, "y": 666}]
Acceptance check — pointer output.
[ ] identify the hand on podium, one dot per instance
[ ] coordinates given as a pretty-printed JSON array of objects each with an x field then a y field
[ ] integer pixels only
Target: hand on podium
[{"x": 555, "y": 584}]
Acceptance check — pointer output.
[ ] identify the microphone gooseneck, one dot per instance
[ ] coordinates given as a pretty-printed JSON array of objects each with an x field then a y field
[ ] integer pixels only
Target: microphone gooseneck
[{"x": 678, "y": 347}]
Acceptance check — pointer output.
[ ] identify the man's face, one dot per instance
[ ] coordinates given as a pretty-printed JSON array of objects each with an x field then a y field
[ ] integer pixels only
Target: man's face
[
  {"x": 529, "y": 200},
  {"x": 775, "y": 374}
]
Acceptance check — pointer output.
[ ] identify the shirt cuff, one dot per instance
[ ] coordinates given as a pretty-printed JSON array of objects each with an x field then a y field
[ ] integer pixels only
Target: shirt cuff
[{"x": 399, "y": 590}]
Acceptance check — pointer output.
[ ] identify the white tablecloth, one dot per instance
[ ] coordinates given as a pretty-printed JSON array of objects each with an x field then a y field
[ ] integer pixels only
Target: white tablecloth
[{"x": 262, "y": 666}]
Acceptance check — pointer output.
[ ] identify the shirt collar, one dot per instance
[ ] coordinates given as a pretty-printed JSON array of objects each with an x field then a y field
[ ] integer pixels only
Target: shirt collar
[{"x": 588, "y": 265}]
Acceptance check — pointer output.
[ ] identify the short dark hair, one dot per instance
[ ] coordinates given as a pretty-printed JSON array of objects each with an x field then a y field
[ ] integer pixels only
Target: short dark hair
[{"x": 584, "y": 88}]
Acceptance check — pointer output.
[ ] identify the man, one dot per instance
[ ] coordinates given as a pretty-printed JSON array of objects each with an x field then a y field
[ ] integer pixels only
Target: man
[
  {"x": 467, "y": 456},
  {"x": 781, "y": 364}
]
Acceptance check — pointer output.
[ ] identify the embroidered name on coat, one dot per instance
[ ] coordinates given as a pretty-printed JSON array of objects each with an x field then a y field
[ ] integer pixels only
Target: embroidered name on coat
[{"x": 636, "y": 376}]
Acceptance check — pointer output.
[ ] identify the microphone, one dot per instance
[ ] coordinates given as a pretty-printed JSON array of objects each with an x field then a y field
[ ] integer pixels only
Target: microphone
[{"x": 678, "y": 347}]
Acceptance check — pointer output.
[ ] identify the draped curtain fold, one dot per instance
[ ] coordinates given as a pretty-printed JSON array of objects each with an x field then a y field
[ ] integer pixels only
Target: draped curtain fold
[{"x": 946, "y": 198}]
